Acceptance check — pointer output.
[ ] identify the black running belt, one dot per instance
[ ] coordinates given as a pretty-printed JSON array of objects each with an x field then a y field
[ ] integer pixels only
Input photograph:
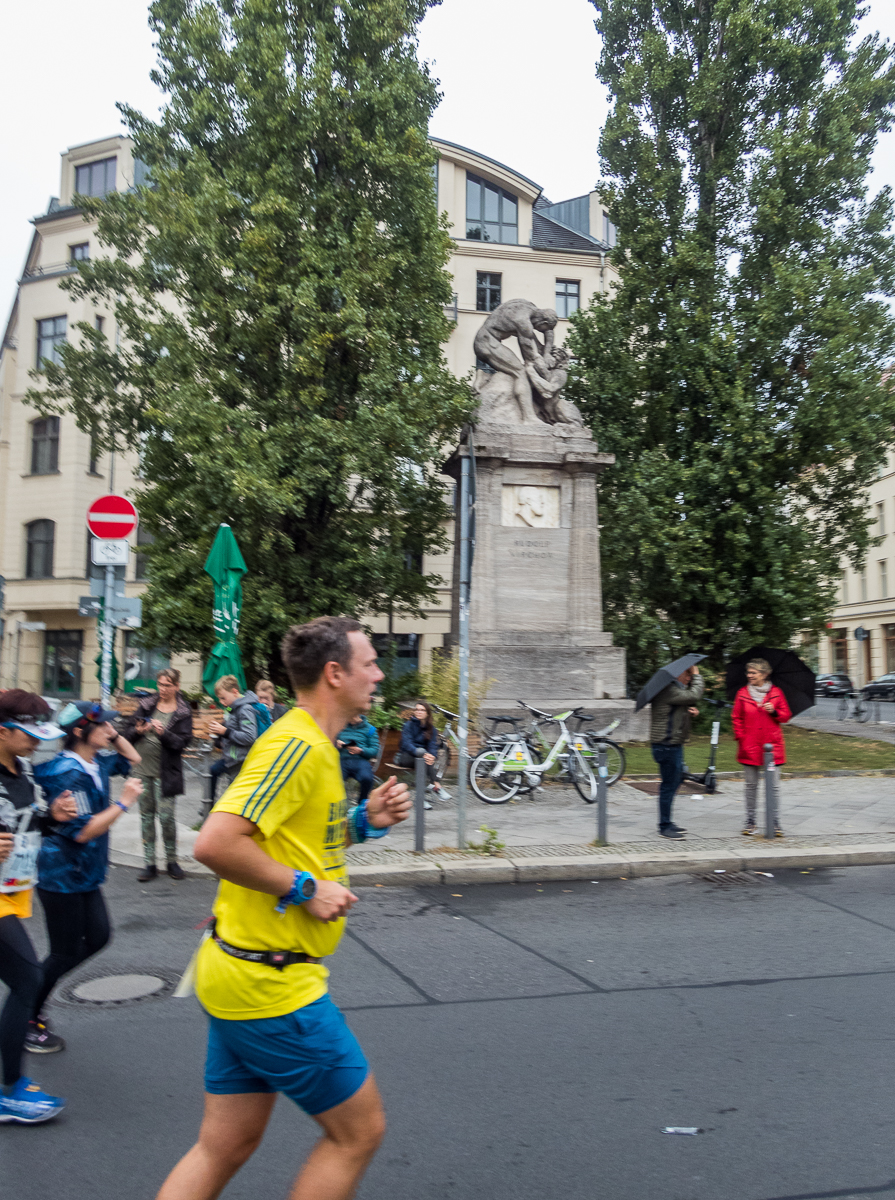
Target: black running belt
[{"x": 268, "y": 958}]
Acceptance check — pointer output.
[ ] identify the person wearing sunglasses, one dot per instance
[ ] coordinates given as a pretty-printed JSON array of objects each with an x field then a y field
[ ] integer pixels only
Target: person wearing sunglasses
[
  {"x": 74, "y": 856},
  {"x": 24, "y": 817}
]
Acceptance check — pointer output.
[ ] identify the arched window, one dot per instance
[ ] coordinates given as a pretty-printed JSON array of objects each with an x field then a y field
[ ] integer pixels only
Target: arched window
[{"x": 40, "y": 536}]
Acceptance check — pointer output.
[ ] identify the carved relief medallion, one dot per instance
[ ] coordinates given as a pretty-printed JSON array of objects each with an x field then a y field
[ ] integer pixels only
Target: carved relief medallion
[{"x": 530, "y": 505}]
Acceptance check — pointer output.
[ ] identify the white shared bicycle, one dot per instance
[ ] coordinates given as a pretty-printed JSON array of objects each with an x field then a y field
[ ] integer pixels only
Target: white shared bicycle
[{"x": 500, "y": 772}]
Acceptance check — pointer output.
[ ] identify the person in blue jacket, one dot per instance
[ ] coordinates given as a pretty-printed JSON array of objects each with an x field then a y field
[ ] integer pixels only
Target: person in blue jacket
[
  {"x": 420, "y": 731},
  {"x": 74, "y": 856},
  {"x": 358, "y": 746}
]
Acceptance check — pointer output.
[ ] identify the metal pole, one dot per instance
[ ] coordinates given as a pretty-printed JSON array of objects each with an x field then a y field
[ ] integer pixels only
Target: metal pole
[
  {"x": 770, "y": 792},
  {"x": 463, "y": 705},
  {"x": 602, "y": 795},
  {"x": 18, "y": 650},
  {"x": 419, "y": 826},
  {"x": 108, "y": 634}
]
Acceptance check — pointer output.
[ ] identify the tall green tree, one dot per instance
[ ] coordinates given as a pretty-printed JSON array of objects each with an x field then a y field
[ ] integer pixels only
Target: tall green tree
[
  {"x": 737, "y": 371},
  {"x": 279, "y": 283}
]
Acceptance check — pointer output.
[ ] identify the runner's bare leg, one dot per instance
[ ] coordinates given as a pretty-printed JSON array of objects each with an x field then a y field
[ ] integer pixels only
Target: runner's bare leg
[
  {"x": 352, "y": 1132},
  {"x": 231, "y": 1131}
]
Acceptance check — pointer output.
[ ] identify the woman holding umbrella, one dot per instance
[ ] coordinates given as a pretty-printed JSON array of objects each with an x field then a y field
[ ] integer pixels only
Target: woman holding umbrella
[{"x": 760, "y": 708}]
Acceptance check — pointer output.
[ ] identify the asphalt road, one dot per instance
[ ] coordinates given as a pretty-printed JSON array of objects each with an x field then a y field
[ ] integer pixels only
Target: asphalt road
[{"x": 531, "y": 1042}]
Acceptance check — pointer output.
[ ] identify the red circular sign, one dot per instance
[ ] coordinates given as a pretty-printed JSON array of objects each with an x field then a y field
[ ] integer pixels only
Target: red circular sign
[{"x": 111, "y": 517}]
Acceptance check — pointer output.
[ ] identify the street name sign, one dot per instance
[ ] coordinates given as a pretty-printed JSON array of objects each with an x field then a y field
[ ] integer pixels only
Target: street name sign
[{"x": 111, "y": 517}]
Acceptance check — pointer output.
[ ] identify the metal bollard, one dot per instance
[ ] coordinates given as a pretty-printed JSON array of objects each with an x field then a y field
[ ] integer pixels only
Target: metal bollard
[
  {"x": 602, "y": 796},
  {"x": 419, "y": 813},
  {"x": 770, "y": 790}
]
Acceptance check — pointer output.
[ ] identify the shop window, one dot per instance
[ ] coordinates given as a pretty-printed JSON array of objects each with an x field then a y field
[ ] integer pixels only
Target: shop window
[
  {"x": 889, "y": 644},
  {"x": 62, "y": 663},
  {"x": 142, "y": 664}
]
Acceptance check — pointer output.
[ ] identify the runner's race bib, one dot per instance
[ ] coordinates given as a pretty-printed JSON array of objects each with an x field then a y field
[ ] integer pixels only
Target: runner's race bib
[{"x": 19, "y": 872}]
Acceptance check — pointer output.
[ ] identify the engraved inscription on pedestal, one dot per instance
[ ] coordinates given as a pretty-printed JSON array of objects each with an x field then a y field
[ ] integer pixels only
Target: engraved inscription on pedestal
[
  {"x": 530, "y": 506},
  {"x": 531, "y": 577}
]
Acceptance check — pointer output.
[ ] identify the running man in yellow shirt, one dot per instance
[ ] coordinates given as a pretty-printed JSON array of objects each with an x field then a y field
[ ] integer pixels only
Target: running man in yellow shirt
[{"x": 277, "y": 839}]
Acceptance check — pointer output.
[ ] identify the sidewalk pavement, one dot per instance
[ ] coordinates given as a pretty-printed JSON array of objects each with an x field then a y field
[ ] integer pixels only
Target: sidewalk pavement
[
  {"x": 822, "y": 717},
  {"x": 828, "y": 821}
]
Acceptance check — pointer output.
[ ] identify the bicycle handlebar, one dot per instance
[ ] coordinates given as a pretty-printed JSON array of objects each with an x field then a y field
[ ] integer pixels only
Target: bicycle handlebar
[
  {"x": 445, "y": 712},
  {"x": 536, "y": 711}
]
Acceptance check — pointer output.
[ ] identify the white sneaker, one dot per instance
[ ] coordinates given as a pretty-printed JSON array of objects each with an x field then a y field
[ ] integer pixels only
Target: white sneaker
[
  {"x": 443, "y": 793},
  {"x": 427, "y": 806}
]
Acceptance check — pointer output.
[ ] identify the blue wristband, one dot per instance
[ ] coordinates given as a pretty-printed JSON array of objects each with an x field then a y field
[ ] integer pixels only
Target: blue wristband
[
  {"x": 359, "y": 828},
  {"x": 299, "y": 892}
]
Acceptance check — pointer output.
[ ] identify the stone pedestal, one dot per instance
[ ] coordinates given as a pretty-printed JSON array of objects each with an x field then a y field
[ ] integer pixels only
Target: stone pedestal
[{"x": 536, "y": 624}]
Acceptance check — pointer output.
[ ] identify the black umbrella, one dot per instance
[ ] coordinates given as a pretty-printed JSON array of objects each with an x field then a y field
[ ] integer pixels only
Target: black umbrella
[
  {"x": 663, "y": 677},
  {"x": 794, "y": 678}
]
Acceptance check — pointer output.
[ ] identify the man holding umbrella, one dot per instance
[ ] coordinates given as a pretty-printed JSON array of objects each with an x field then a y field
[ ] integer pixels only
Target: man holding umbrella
[{"x": 673, "y": 691}]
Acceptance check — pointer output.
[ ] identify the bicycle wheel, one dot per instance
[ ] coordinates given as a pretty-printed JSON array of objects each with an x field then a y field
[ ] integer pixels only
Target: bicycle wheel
[
  {"x": 842, "y": 708},
  {"x": 582, "y": 777},
  {"x": 491, "y": 789},
  {"x": 615, "y": 759},
  {"x": 442, "y": 758}
]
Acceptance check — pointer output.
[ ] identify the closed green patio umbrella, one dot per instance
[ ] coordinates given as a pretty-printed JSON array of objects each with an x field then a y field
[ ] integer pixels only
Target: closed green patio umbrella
[{"x": 226, "y": 566}]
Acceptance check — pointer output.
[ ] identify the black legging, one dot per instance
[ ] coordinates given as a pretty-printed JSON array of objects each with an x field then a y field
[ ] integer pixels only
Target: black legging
[
  {"x": 78, "y": 928},
  {"x": 20, "y": 971},
  {"x": 403, "y": 759}
]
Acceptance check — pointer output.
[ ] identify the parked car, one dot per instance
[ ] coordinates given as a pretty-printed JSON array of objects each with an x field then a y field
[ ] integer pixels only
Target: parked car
[
  {"x": 880, "y": 689},
  {"x": 832, "y": 685}
]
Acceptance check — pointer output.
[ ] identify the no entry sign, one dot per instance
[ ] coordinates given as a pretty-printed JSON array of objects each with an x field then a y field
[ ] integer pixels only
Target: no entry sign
[{"x": 111, "y": 517}]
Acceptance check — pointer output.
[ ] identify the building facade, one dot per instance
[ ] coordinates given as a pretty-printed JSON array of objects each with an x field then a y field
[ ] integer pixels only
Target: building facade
[
  {"x": 509, "y": 241},
  {"x": 866, "y": 601}
]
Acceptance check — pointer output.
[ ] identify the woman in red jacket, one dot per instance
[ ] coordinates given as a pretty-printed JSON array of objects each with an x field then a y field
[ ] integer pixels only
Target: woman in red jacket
[{"x": 759, "y": 710}]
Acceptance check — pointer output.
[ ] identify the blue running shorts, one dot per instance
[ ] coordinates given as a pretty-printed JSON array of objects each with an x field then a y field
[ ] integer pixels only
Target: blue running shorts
[{"x": 309, "y": 1055}]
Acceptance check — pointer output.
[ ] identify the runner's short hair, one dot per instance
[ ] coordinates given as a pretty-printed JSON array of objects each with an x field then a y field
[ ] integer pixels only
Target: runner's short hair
[
  {"x": 760, "y": 664},
  {"x": 16, "y": 702},
  {"x": 265, "y": 685},
  {"x": 228, "y": 682},
  {"x": 308, "y": 648}
]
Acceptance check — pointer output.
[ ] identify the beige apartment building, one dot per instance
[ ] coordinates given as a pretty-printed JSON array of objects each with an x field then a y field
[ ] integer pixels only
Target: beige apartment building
[
  {"x": 510, "y": 241},
  {"x": 867, "y": 597}
]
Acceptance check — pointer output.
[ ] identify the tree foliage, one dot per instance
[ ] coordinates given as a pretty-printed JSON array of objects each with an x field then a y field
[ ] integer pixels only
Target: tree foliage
[
  {"x": 279, "y": 289},
  {"x": 737, "y": 371}
]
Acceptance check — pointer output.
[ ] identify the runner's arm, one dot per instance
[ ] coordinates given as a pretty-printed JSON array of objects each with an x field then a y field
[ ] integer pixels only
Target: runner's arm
[{"x": 226, "y": 845}]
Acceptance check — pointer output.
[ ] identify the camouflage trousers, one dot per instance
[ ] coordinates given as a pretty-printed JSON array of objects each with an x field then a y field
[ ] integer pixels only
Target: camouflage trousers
[{"x": 152, "y": 804}]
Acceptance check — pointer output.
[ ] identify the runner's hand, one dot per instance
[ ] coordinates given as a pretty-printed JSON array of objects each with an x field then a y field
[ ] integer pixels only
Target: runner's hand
[
  {"x": 6, "y": 844},
  {"x": 64, "y": 808},
  {"x": 389, "y": 804},
  {"x": 131, "y": 792},
  {"x": 331, "y": 902}
]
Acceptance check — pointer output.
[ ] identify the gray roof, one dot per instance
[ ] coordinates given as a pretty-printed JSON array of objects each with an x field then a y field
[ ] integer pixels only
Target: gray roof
[{"x": 550, "y": 234}]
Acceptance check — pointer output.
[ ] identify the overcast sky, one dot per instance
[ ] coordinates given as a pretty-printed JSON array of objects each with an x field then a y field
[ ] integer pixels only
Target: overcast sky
[{"x": 517, "y": 77}]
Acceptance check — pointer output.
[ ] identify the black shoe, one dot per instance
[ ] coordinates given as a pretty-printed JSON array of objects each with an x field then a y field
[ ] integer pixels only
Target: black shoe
[
  {"x": 677, "y": 828},
  {"x": 175, "y": 870},
  {"x": 40, "y": 1039},
  {"x": 150, "y": 871},
  {"x": 671, "y": 832}
]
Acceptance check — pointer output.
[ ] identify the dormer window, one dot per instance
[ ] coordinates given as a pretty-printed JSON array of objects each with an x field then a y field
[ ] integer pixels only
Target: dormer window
[
  {"x": 492, "y": 215},
  {"x": 80, "y": 252},
  {"x": 96, "y": 178}
]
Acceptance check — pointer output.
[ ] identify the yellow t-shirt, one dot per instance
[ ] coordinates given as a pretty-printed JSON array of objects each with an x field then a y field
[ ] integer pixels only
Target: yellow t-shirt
[{"x": 291, "y": 788}]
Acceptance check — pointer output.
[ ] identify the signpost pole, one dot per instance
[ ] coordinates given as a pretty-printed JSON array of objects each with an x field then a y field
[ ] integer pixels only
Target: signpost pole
[
  {"x": 108, "y": 636},
  {"x": 463, "y": 705}
]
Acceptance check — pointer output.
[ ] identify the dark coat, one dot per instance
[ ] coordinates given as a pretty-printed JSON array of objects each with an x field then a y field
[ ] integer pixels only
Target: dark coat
[
  {"x": 174, "y": 740},
  {"x": 414, "y": 734}
]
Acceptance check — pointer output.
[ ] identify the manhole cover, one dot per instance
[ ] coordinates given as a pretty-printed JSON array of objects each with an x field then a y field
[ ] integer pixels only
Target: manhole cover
[
  {"x": 115, "y": 988},
  {"x": 725, "y": 878}
]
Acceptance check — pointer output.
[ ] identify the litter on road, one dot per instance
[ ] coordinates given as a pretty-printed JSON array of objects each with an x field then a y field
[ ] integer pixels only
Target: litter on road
[{"x": 688, "y": 1129}]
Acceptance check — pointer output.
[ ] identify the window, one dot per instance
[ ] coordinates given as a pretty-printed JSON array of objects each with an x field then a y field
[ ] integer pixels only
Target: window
[
  {"x": 39, "y": 537},
  {"x": 62, "y": 663},
  {"x": 80, "y": 253},
  {"x": 406, "y": 652},
  {"x": 843, "y": 586},
  {"x": 862, "y": 582},
  {"x": 94, "y": 570},
  {"x": 50, "y": 336},
  {"x": 98, "y": 323},
  {"x": 883, "y": 578},
  {"x": 487, "y": 291},
  {"x": 881, "y": 518},
  {"x": 839, "y": 650},
  {"x": 889, "y": 642},
  {"x": 491, "y": 213},
  {"x": 609, "y": 231},
  {"x": 568, "y": 295},
  {"x": 94, "y": 455},
  {"x": 143, "y": 539},
  {"x": 96, "y": 178},
  {"x": 45, "y": 446}
]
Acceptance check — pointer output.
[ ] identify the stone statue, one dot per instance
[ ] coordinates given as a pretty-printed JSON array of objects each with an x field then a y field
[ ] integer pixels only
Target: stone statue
[{"x": 523, "y": 392}]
